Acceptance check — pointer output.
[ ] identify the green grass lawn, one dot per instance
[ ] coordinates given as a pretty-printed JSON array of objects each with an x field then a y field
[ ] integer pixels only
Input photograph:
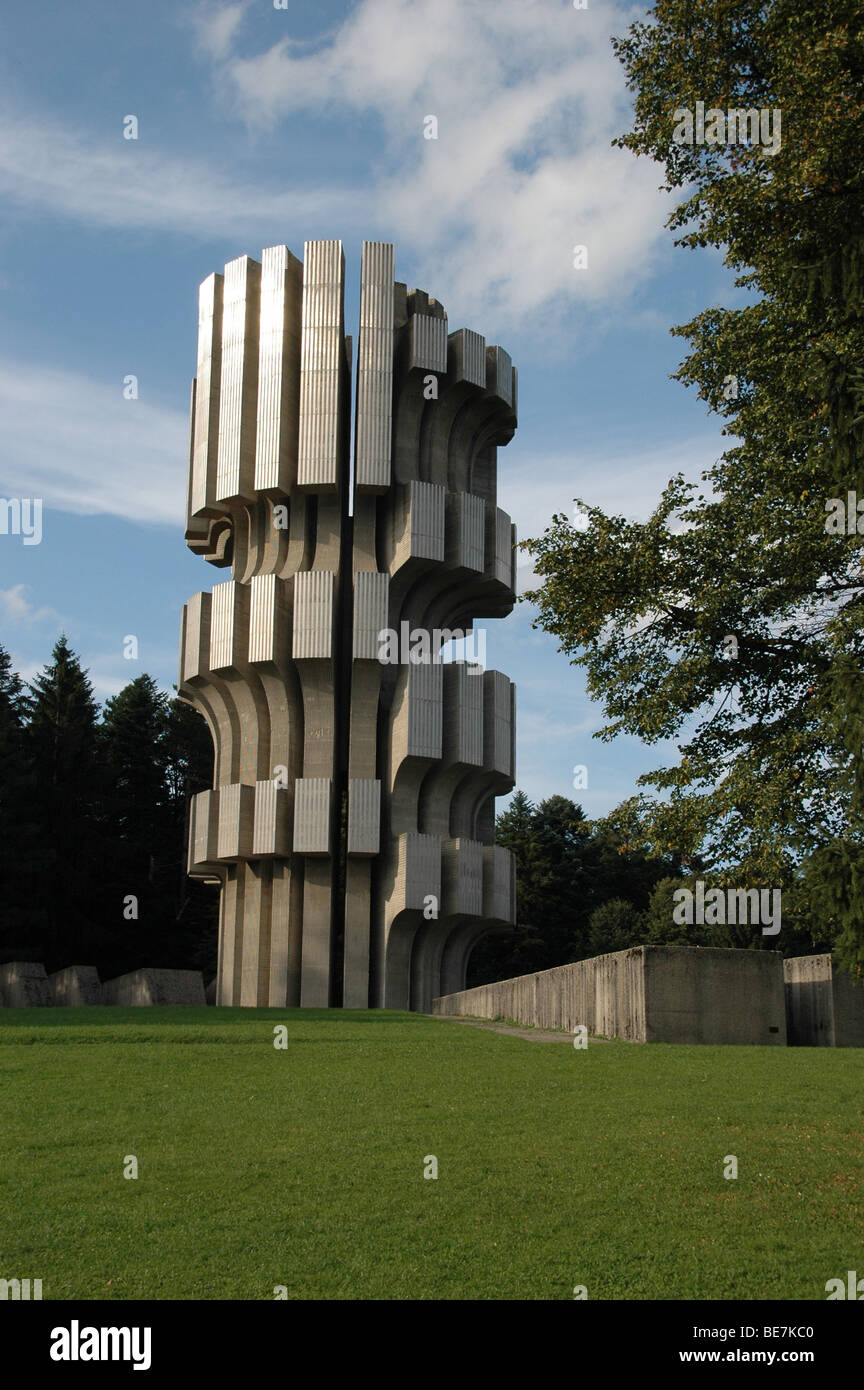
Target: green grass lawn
[{"x": 303, "y": 1167}]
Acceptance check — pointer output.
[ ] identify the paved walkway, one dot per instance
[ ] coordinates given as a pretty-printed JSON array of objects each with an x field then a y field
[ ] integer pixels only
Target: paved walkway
[{"x": 530, "y": 1034}]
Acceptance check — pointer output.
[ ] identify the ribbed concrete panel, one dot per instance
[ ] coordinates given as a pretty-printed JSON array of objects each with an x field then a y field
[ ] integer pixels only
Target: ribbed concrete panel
[
  {"x": 427, "y": 343},
  {"x": 239, "y": 382},
  {"x": 364, "y": 815},
  {"x": 262, "y": 617},
  {"x": 205, "y": 441},
  {"x": 462, "y": 877},
  {"x": 253, "y": 901},
  {"x": 467, "y": 526},
  {"x": 499, "y": 536},
  {"x": 419, "y": 871},
  {"x": 203, "y": 828},
  {"x": 463, "y": 716},
  {"x": 469, "y": 357},
  {"x": 425, "y": 710},
  {"x": 427, "y": 510},
  {"x": 236, "y": 817},
  {"x": 195, "y": 648},
  {"x": 499, "y": 374},
  {"x": 497, "y": 722},
  {"x": 499, "y": 883},
  {"x": 515, "y": 395},
  {"x": 375, "y": 368},
  {"x": 371, "y": 592},
  {"x": 278, "y": 370},
  {"x": 313, "y": 615},
  {"x": 312, "y": 815},
  {"x": 270, "y": 833},
  {"x": 223, "y": 626},
  {"x": 321, "y": 358}
]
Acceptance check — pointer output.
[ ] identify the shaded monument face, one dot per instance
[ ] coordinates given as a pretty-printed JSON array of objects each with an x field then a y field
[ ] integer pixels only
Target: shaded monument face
[{"x": 351, "y": 822}]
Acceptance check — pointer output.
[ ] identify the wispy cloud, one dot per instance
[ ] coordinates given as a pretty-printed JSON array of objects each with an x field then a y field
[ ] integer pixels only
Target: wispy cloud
[
  {"x": 527, "y": 96},
  {"x": 124, "y": 184},
  {"x": 82, "y": 448},
  {"x": 215, "y": 26},
  {"x": 17, "y": 607}
]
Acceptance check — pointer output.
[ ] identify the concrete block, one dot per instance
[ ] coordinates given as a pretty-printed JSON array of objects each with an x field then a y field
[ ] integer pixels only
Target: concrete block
[
  {"x": 24, "y": 985},
  {"x": 824, "y": 1007},
  {"x": 75, "y": 986},
  {"x": 148, "y": 986}
]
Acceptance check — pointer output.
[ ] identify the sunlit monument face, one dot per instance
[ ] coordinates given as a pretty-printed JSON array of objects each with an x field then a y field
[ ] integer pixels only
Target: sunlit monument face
[{"x": 351, "y": 823}]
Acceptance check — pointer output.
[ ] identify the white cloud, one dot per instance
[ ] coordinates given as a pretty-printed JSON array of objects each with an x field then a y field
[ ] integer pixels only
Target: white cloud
[
  {"x": 216, "y": 25},
  {"x": 528, "y": 96},
  {"x": 123, "y": 184},
  {"x": 82, "y": 448},
  {"x": 17, "y": 607},
  {"x": 536, "y": 726}
]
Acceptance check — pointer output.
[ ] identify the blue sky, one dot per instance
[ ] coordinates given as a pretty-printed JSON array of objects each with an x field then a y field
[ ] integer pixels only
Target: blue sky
[{"x": 259, "y": 126}]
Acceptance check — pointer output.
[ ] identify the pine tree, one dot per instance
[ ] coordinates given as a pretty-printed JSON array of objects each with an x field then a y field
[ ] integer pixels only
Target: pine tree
[
  {"x": 61, "y": 743},
  {"x": 19, "y": 833},
  {"x": 566, "y": 868}
]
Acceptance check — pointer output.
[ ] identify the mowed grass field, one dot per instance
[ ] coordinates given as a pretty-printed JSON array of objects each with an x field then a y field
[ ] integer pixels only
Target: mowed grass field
[{"x": 304, "y": 1167}]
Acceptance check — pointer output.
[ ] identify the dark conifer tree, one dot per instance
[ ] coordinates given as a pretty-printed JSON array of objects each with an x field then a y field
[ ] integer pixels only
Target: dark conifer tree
[
  {"x": 19, "y": 832},
  {"x": 60, "y": 741}
]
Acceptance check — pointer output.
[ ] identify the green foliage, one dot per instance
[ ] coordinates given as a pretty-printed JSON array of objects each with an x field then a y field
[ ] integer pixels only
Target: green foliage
[
  {"x": 565, "y": 868},
  {"x": 615, "y": 926},
  {"x": 18, "y": 825},
  {"x": 768, "y": 756},
  {"x": 93, "y": 814}
]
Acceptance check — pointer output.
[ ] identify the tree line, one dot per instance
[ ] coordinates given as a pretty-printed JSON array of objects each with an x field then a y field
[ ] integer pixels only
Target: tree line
[
  {"x": 94, "y": 820},
  {"x": 93, "y": 809},
  {"x": 582, "y": 890},
  {"x": 734, "y": 616}
]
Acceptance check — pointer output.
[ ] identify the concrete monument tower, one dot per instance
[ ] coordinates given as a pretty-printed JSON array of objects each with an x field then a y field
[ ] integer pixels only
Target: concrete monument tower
[{"x": 351, "y": 821}]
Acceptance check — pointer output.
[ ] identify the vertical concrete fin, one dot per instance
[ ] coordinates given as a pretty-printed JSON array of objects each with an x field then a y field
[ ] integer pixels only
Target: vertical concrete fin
[
  {"x": 278, "y": 371},
  {"x": 313, "y": 615},
  {"x": 322, "y": 367},
  {"x": 235, "y": 474},
  {"x": 205, "y": 441},
  {"x": 375, "y": 369}
]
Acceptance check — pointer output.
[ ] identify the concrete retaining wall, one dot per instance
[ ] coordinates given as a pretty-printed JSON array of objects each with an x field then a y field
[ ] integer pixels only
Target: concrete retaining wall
[
  {"x": 75, "y": 986},
  {"x": 143, "y": 987},
  {"x": 824, "y": 1007},
  {"x": 712, "y": 995},
  {"x": 24, "y": 985},
  {"x": 645, "y": 994},
  {"x": 605, "y": 994}
]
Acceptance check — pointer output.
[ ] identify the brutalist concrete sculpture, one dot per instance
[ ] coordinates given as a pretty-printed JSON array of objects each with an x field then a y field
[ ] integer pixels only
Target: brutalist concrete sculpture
[{"x": 351, "y": 823}]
